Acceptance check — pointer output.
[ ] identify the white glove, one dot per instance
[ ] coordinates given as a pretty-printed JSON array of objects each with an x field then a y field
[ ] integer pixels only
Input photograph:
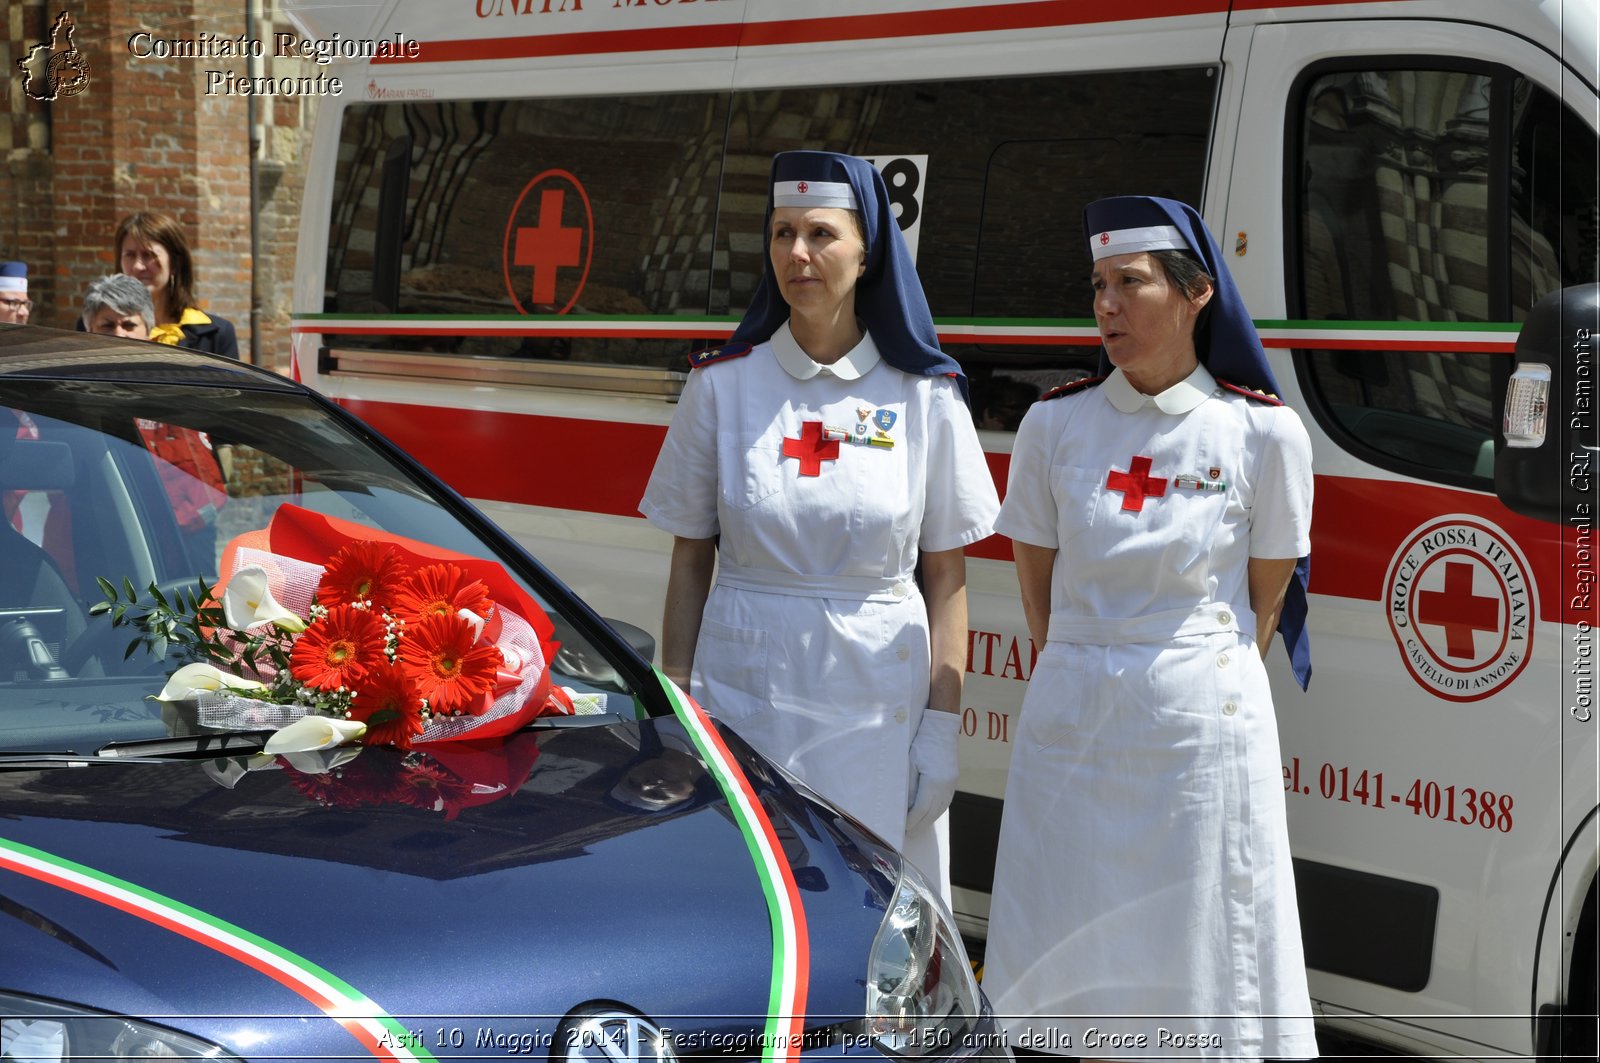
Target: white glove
[{"x": 933, "y": 759}]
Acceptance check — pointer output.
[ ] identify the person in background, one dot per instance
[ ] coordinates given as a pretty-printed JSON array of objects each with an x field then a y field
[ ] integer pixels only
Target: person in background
[
  {"x": 118, "y": 305},
  {"x": 1158, "y": 513},
  {"x": 152, "y": 248},
  {"x": 816, "y": 462},
  {"x": 14, "y": 302},
  {"x": 192, "y": 470}
]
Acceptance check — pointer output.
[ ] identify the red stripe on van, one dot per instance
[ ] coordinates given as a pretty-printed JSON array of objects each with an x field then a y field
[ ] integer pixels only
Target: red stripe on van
[
  {"x": 593, "y": 466},
  {"x": 989, "y": 19},
  {"x": 1358, "y": 525},
  {"x": 1027, "y": 14}
]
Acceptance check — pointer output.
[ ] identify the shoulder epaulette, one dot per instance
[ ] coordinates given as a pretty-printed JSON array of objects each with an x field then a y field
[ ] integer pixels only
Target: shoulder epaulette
[
  {"x": 1072, "y": 387},
  {"x": 1253, "y": 393},
  {"x": 725, "y": 353}
]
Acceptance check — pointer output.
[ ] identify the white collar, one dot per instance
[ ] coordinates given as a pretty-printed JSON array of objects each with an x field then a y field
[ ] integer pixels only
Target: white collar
[
  {"x": 1180, "y": 398},
  {"x": 855, "y": 364}
]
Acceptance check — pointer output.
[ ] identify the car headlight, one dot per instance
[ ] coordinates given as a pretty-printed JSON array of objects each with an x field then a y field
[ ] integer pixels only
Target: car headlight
[
  {"x": 38, "y": 1031},
  {"x": 922, "y": 997}
]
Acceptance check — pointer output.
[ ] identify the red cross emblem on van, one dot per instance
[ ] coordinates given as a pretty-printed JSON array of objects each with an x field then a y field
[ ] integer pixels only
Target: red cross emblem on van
[
  {"x": 549, "y": 244},
  {"x": 1462, "y": 603}
]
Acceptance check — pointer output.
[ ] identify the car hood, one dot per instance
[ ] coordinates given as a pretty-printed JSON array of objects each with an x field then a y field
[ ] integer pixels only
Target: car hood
[{"x": 467, "y": 889}]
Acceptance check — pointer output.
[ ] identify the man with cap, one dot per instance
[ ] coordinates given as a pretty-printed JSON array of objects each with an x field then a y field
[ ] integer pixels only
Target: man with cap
[
  {"x": 14, "y": 302},
  {"x": 1144, "y": 900},
  {"x": 815, "y": 461}
]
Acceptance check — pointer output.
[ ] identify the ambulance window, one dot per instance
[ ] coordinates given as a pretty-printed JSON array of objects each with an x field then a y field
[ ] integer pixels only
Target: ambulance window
[
  {"x": 456, "y": 222},
  {"x": 1443, "y": 196},
  {"x": 538, "y": 207}
]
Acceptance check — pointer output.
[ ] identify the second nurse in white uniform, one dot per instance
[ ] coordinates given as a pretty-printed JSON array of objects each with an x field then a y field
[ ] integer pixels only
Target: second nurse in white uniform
[
  {"x": 1144, "y": 901},
  {"x": 813, "y": 471}
]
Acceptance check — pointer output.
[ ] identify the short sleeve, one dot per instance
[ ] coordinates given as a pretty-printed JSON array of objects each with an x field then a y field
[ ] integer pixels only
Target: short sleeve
[
  {"x": 960, "y": 503},
  {"x": 1028, "y": 514},
  {"x": 1280, "y": 512},
  {"x": 681, "y": 497}
]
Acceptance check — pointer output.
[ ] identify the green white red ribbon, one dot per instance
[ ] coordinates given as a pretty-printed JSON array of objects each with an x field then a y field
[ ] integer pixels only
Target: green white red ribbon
[
  {"x": 377, "y": 1031},
  {"x": 791, "y": 945}
]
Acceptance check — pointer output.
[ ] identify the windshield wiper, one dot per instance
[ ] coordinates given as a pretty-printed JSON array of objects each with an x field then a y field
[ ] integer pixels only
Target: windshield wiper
[
  {"x": 236, "y": 743},
  {"x": 557, "y": 723},
  {"x": 189, "y": 747},
  {"x": 25, "y": 759}
]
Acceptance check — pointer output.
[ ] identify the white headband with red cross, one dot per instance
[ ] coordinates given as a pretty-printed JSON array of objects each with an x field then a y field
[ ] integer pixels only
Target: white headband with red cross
[
  {"x": 814, "y": 194},
  {"x": 1143, "y": 238}
]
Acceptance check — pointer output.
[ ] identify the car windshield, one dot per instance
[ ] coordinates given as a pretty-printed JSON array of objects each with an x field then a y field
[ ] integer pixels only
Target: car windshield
[{"x": 146, "y": 482}]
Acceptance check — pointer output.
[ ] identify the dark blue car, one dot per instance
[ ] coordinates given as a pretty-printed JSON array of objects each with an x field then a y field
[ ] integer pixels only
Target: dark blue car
[{"x": 613, "y": 876}]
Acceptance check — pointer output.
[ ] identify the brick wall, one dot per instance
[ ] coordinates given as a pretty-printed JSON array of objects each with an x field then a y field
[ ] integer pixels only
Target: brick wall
[{"x": 144, "y": 135}]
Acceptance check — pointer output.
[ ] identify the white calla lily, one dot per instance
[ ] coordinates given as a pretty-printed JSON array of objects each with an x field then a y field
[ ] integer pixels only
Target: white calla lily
[
  {"x": 248, "y": 601},
  {"x": 200, "y": 678},
  {"x": 474, "y": 621},
  {"x": 321, "y": 761},
  {"x": 311, "y": 733}
]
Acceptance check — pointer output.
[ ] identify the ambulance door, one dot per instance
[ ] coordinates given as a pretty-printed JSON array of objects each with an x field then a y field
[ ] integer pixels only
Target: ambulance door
[{"x": 1400, "y": 195}]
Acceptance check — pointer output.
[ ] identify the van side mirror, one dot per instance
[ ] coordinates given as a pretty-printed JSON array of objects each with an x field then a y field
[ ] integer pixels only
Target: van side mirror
[{"x": 1547, "y": 463}]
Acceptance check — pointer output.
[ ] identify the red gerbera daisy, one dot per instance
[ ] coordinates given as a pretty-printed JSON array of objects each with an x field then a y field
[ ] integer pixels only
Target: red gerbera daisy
[
  {"x": 440, "y": 590},
  {"x": 362, "y": 571},
  {"x": 338, "y": 649},
  {"x": 454, "y": 674},
  {"x": 386, "y": 701}
]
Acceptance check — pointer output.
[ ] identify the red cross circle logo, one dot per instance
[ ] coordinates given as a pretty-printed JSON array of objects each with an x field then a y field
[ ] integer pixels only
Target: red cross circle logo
[
  {"x": 1461, "y": 607},
  {"x": 1105, "y": 238},
  {"x": 801, "y": 187},
  {"x": 549, "y": 244}
]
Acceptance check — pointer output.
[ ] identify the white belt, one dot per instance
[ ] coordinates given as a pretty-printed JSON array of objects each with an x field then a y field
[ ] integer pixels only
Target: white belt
[
  {"x": 851, "y": 588},
  {"x": 1157, "y": 627}
]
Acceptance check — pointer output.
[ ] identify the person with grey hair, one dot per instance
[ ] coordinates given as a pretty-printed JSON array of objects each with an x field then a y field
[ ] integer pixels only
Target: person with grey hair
[{"x": 119, "y": 305}]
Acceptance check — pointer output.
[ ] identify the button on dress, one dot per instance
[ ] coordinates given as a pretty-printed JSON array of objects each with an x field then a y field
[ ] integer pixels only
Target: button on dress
[
  {"x": 1144, "y": 901},
  {"x": 814, "y": 643}
]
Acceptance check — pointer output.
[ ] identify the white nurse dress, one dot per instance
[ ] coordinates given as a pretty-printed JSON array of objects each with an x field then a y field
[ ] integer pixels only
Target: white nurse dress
[{"x": 1144, "y": 901}]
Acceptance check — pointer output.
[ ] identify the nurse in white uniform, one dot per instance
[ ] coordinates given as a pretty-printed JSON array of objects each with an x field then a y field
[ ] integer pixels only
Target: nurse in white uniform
[
  {"x": 813, "y": 462},
  {"x": 1143, "y": 901}
]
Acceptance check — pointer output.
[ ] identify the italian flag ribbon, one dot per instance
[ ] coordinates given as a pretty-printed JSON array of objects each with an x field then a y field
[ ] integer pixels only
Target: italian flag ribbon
[
  {"x": 791, "y": 945},
  {"x": 378, "y": 1032}
]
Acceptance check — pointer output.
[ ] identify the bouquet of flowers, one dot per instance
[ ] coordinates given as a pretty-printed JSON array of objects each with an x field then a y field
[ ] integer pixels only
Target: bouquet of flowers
[{"x": 334, "y": 633}]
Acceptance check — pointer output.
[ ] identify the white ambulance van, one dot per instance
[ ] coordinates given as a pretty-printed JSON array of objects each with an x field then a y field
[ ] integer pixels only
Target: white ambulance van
[{"x": 520, "y": 215}]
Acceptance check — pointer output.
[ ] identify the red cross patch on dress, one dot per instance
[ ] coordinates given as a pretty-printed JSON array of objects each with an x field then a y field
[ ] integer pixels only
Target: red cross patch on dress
[
  {"x": 811, "y": 449},
  {"x": 1136, "y": 484}
]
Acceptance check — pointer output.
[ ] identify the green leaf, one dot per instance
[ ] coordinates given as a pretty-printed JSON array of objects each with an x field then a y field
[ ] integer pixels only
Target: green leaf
[
  {"x": 107, "y": 588},
  {"x": 127, "y": 588}
]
